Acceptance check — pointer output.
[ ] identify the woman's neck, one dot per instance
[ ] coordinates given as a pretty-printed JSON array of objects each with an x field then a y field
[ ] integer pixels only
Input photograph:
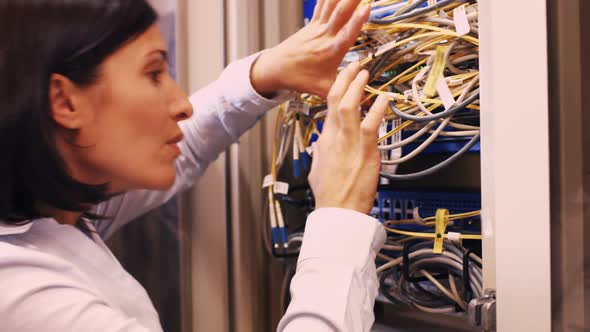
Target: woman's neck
[{"x": 61, "y": 216}]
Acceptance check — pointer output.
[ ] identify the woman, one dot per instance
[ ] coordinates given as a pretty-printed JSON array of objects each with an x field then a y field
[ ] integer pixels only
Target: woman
[{"x": 94, "y": 132}]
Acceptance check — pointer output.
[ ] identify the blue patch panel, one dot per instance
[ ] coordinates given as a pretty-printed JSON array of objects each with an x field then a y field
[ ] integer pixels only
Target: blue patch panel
[{"x": 397, "y": 205}]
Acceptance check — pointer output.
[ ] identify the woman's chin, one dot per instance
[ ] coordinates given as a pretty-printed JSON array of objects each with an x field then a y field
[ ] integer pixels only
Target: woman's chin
[{"x": 161, "y": 181}]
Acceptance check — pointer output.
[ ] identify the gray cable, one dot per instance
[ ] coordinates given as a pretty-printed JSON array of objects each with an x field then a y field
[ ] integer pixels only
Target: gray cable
[
  {"x": 411, "y": 7},
  {"x": 414, "y": 13},
  {"x": 408, "y": 140},
  {"x": 435, "y": 168},
  {"x": 443, "y": 114}
]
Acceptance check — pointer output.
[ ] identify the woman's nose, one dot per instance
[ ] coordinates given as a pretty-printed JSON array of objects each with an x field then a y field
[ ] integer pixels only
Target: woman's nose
[{"x": 182, "y": 108}]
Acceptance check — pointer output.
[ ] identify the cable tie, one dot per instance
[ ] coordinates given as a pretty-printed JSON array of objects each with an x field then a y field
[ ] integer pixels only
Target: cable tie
[
  {"x": 436, "y": 72},
  {"x": 440, "y": 224}
]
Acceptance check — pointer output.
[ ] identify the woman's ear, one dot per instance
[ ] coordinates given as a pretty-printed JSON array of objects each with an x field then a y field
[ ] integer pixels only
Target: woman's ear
[{"x": 63, "y": 96}]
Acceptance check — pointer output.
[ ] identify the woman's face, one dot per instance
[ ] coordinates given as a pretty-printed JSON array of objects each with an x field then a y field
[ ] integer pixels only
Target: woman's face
[{"x": 128, "y": 127}]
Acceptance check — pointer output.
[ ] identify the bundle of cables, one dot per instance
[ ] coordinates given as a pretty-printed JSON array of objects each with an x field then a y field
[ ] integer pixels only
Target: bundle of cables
[
  {"x": 423, "y": 55},
  {"x": 425, "y": 59},
  {"x": 288, "y": 137},
  {"x": 413, "y": 272}
]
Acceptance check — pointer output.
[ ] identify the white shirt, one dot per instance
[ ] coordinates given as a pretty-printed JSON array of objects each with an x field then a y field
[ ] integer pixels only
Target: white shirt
[{"x": 53, "y": 277}]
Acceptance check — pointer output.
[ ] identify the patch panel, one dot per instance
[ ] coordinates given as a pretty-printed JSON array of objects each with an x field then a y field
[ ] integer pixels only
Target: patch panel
[{"x": 397, "y": 205}]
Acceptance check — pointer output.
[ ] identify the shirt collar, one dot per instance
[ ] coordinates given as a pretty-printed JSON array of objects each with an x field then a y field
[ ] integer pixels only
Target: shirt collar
[{"x": 10, "y": 229}]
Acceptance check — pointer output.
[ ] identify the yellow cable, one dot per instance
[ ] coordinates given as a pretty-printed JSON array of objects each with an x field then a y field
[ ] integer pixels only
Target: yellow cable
[
  {"x": 393, "y": 80},
  {"x": 431, "y": 235},
  {"x": 403, "y": 8}
]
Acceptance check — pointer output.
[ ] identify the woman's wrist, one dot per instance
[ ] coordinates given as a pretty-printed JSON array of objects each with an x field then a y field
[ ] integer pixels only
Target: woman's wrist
[{"x": 266, "y": 74}]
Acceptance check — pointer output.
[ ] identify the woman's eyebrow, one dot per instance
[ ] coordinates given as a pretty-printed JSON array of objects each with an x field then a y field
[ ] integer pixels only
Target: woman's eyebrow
[{"x": 162, "y": 53}]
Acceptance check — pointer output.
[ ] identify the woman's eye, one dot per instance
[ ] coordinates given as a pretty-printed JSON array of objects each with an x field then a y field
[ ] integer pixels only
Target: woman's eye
[{"x": 155, "y": 76}]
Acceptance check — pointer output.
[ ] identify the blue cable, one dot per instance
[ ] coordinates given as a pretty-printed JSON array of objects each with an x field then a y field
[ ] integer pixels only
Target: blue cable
[
  {"x": 296, "y": 170},
  {"x": 304, "y": 157},
  {"x": 275, "y": 236}
]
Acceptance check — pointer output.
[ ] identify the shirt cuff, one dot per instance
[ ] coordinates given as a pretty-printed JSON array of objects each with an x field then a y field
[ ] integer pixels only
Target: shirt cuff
[
  {"x": 236, "y": 77},
  {"x": 342, "y": 234}
]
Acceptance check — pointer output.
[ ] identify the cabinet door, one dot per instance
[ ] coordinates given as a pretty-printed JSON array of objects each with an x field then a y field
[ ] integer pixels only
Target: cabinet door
[{"x": 515, "y": 161}]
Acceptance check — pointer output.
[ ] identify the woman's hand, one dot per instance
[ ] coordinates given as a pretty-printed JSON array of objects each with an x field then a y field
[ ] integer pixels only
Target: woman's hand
[
  {"x": 308, "y": 60},
  {"x": 346, "y": 161}
]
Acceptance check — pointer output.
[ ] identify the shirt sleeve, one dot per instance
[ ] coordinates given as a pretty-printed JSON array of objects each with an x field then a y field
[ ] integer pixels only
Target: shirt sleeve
[
  {"x": 223, "y": 111},
  {"x": 43, "y": 293},
  {"x": 335, "y": 286}
]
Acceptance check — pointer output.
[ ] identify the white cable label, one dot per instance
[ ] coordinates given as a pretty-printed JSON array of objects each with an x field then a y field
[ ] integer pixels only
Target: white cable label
[
  {"x": 382, "y": 37},
  {"x": 385, "y": 47},
  {"x": 267, "y": 182},
  {"x": 281, "y": 188},
  {"x": 432, "y": 2},
  {"x": 454, "y": 236},
  {"x": 471, "y": 10},
  {"x": 383, "y": 128},
  {"x": 445, "y": 93},
  {"x": 305, "y": 109},
  {"x": 455, "y": 82},
  {"x": 461, "y": 22},
  {"x": 408, "y": 93}
]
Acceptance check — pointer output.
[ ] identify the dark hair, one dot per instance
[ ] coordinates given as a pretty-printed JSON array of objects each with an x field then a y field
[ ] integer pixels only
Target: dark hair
[{"x": 39, "y": 38}]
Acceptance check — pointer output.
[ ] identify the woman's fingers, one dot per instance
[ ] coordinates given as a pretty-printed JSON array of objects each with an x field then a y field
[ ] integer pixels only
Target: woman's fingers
[
  {"x": 327, "y": 10},
  {"x": 370, "y": 126},
  {"x": 338, "y": 91},
  {"x": 317, "y": 11},
  {"x": 348, "y": 110},
  {"x": 343, "y": 14},
  {"x": 350, "y": 29}
]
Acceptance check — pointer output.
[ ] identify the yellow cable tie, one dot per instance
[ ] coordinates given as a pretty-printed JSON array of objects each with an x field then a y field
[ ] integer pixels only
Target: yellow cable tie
[
  {"x": 442, "y": 219},
  {"x": 438, "y": 67}
]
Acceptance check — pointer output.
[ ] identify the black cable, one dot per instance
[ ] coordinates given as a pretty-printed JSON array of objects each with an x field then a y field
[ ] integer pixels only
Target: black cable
[
  {"x": 406, "y": 259},
  {"x": 405, "y": 285},
  {"x": 436, "y": 116},
  {"x": 435, "y": 168},
  {"x": 466, "y": 276},
  {"x": 383, "y": 288},
  {"x": 414, "y": 13}
]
